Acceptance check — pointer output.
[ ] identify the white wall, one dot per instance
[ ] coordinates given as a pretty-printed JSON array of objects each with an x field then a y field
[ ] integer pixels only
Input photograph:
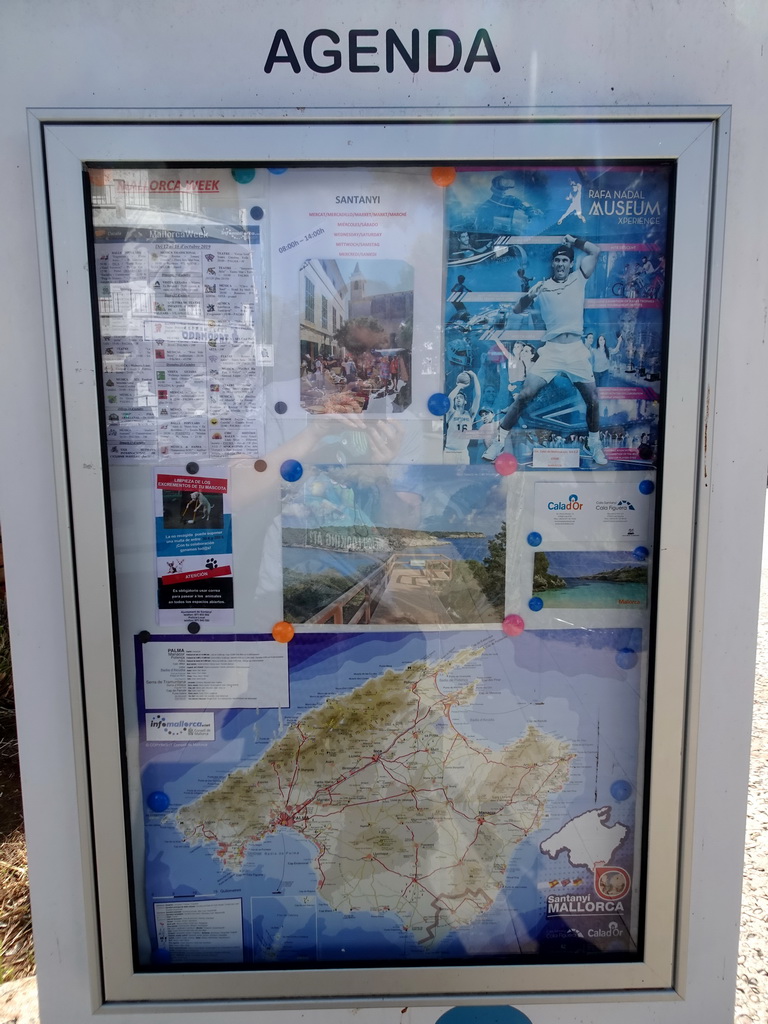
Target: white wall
[{"x": 210, "y": 54}]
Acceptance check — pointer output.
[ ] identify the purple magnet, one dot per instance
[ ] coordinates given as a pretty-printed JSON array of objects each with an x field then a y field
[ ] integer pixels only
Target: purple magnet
[
  {"x": 438, "y": 404},
  {"x": 646, "y": 487},
  {"x": 535, "y": 604},
  {"x": 291, "y": 470}
]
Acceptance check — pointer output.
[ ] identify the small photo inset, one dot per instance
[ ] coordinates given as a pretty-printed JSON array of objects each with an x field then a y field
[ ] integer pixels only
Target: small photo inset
[
  {"x": 590, "y": 579},
  {"x": 192, "y": 510},
  {"x": 356, "y": 333}
]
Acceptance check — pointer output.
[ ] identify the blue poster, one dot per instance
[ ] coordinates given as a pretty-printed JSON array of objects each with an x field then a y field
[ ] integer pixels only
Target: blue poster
[{"x": 555, "y": 315}]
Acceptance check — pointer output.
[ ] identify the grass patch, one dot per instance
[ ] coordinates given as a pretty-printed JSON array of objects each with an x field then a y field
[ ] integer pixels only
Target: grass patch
[{"x": 17, "y": 959}]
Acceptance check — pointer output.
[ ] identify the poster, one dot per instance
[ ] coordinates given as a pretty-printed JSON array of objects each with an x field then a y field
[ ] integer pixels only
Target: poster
[
  {"x": 178, "y": 289},
  {"x": 554, "y": 314},
  {"x": 355, "y": 279},
  {"x": 424, "y": 797},
  {"x": 193, "y": 529}
]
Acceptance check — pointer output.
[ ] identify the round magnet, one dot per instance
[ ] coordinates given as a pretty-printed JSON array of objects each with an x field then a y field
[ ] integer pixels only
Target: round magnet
[
  {"x": 259, "y": 465},
  {"x": 277, "y": 170},
  {"x": 291, "y": 470},
  {"x": 641, "y": 553},
  {"x": 646, "y": 487},
  {"x": 626, "y": 658},
  {"x": 158, "y": 801},
  {"x": 513, "y": 625},
  {"x": 192, "y": 468},
  {"x": 145, "y": 636},
  {"x": 280, "y": 408},
  {"x": 621, "y": 789},
  {"x": 505, "y": 464},
  {"x": 283, "y": 632},
  {"x": 483, "y": 1015},
  {"x": 256, "y": 213},
  {"x": 534, "y": 539},
  {"x": 535, "y": 604},
  {"x": 438, "y": 404},
  {"x": 193, "y": 627},
  {"x": 443, "y": 176},
  {"x": 243, "y": 175}
]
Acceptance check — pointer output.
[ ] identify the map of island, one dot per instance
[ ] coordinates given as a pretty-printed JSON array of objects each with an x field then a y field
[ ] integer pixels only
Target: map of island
[
  {"x": 587, "y": 839},
  {"x": 406, "y": 813}
]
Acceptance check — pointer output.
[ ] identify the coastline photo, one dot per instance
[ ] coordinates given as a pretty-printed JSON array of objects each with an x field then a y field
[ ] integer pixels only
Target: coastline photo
[
  {"x": 394, "y": 544},
  {"x": 590, "y": 579}
]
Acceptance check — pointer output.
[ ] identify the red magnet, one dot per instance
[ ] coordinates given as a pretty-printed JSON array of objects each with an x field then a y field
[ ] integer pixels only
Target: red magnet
[{"x": 513, "y": 625}]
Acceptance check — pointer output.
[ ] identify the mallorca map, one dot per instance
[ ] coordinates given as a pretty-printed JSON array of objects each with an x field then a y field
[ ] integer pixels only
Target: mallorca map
[{"x": 410, "y": 803}]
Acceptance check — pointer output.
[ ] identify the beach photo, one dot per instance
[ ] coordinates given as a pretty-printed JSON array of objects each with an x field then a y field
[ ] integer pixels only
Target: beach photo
[{"x": 590, "y": 579}]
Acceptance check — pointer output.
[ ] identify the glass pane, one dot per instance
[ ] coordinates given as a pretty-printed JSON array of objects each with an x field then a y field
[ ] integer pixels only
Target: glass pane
[{"x": 383, "y": 448}]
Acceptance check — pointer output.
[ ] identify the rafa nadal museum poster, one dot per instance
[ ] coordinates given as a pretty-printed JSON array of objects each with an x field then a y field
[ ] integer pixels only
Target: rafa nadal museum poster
[{"x": 554, "y": 322}]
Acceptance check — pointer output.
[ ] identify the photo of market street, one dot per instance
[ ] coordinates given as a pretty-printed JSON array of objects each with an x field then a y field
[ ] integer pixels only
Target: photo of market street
[{"x": 394, "y": 544}]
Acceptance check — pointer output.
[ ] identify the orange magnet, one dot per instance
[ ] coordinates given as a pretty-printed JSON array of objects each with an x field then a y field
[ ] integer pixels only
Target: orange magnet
[
  {"x": 443, "y": 176},
  {"x": 283, "y": 632}
]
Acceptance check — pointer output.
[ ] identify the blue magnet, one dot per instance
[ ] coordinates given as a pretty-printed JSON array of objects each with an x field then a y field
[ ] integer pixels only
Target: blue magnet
[
  {"x": 483, "y": 1015},
  {"x": 277, "y": 170},
  {"x": 243, "y": 175},
  {"x": 438, "y": 404},
  {"x": 256, "y": 213},
  {"x": 280, "y": 408},
  {"x": 534, "y": 539},
  {"x": 291, "y": 470},
  {"x": 646, "y": 487},
  {"x": 193, "y": 627},
  {"x": 158, "y": 801},
  {"x": 626, "y": 658},
  {"x": 621, "y": 789},
  {"x": 535, "y": 604},
  {"x": 641, "y": 553}
]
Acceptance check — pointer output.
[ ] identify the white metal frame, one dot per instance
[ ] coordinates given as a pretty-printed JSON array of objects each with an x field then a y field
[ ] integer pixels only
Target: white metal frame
[{"x": 62, "y": 142}]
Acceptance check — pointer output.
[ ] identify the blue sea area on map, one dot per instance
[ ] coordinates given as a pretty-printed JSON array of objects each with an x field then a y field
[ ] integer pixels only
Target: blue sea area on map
[{"x": 565, "y": 683}]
